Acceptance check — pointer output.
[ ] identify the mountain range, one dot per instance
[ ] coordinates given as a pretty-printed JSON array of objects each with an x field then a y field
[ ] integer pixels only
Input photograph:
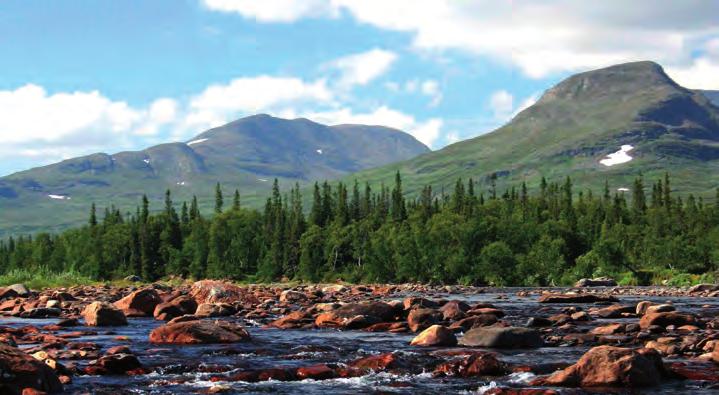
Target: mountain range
[
  {"x": 611, "y": 124},
  {"x": 246, "y": 154}
]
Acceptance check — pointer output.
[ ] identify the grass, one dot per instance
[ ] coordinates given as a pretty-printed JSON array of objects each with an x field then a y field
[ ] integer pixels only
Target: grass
[{"x": 44, "y": 278}]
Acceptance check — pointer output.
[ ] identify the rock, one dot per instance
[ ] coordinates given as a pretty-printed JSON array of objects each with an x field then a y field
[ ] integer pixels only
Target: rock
[
  {"x": 199, "y": 332},
  {"x": 502, "y": 337},
  {"x": 336, "y": 288},
  {"x": 616, "y": 311},
  {"x": 140, "y": 303},
  {"x": 435, "y": 336},
  {"x": 454, "y": 310},
  {"x": 133, "y": 279},
  {"x": 610, "y": 329},
  {"x": 20, "y": 370},
  {"x": 419, "y": 319},
  {"x": 576, "y": 298},
  {"x": 643, "y": 306},
  {"x": 295, "y": 319},
  {"x": 176, "y": 307},
  {"x": 213, "y": 291},
  {"x": 538, "y": 322},
  {"x": 419, "y": 303},
  {"x": 103, "y": 314},
  {"x": 316, "y": 372},
  {"x": 41, "y": 312},
  {"x": 660, "y": 308},
  {"x": 356, "y": 315},
  {"x": 214, "y": 310},
  {"x": 607, "y": 366},
  {"x": 119, "y": 363},
  {"x": 289, "y": 296},
  {"x": 474, "y": 321},
  {"x": 596, "y": 282},
  {"x": 703, "y": 288},
  {"x": 665, "y": 319},
  {"x": 473, "y": 365},
  {"x": 378, "y": 363}
]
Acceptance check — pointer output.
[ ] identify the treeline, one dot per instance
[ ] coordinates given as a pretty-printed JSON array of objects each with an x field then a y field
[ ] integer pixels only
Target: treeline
[{"x": 553, "y": 236}]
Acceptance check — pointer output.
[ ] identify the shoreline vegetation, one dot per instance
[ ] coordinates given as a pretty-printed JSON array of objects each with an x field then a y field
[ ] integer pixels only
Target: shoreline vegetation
[{"x": 354, "y": 234}]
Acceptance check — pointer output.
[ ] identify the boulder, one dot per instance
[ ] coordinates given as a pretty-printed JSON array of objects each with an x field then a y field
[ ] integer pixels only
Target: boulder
[
  {"x": 133, "y": 279},
  {"x": 502, "y": 337},
  {"x": 435, "y": 336},
  {"x": 538, "y": 322},
  {"x": 176, "y": 307},
  {"x": 290, "y": 296},
  {"x": 419, "y": 319},
  {"x": 454, "y": 310},
  {"x": 356, "y": 315},
  {"x": 214, "y": 310},
  {"x": 119, "y": 363},
  {"x": 378, "y": 363},
  {"x": 140, "y": 303},
  {"x": 665, "y": 319},
  {"x": 295, "y": 319},
  {"x": 213, "y": 291},
  {"x": 103, "y": 314},
  {"x": 616, "y": 311},
  {"x": 703, "y": 288},
  {"x": 20, "y": 371},
  {"x": 474, "y": 321},
  {"x": 575, "y": 298},
  {"x": 596, "y": 282},
  {"x": 473, "y": 365},
  {"x": 199, "y": 332},
  {"x": 316, "y": 372},
  {"x": 607, "y": 366},
  {"x": 15, "y": 291}
]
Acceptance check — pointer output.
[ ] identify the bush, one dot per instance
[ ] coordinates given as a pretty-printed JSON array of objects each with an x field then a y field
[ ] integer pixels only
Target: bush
[{"x": 44, "y": 278}]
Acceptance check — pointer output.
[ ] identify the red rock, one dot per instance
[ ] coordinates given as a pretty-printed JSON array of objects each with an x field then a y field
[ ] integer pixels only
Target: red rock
[
  {"x": 295, "y": 319},
  {"x": 607, "y": 366},
  {"x": 665, "y": 319},
  {"x": 486, "y": 311},
  {"x": 356, "y": 315},
  {"x": 32, "y": 391},
  {"x": 475, "y": 364},
  {"x": 213, "y": 291},
  {"x": 435, "y": 336},
  {"x": 214, "y": 310},
  {"x": 103, "y": 314},
  {"x": 610, "y": 329},
  {"x": 418, "y": 303},
  {"x": 316, "y": 372},
  {"x": 695, "y": 372},
  {"x": 454, "y": 310},
  {"x": 378, "y": 362},
  {"x": 502, "y": 337},
  {"x": 21, "y": 371},
  {"x": 474, "y": 321},
  {"x": 616, "y": 311},
  {"x": 140, "y": 303},
  {"x": 276, "y": 374},
  {"x": 118, "y": 350},
  {"x": 199, "y": 332},
  {"x": 119, "y": 363}
]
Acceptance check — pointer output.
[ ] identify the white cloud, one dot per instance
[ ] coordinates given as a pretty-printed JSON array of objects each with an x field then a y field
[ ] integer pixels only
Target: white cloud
[
  {"x": 701, "y": 74},
  {"x": 362, "y": 68},
  {"x": 538, "y": 37},
  {"x": 273, "y": 10},
  {"x": 431, "y": 88},
  {"x": 502, "y": 103},
  {"x": 425, "y": 131}
]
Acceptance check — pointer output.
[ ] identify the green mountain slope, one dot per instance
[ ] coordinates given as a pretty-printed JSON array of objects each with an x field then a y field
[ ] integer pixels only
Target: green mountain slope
[
  {"x": 246, "y": 154},
  {"x": 574, "y": 126}
]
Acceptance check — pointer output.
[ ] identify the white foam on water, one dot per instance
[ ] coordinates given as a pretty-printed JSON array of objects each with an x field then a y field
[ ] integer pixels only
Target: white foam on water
[
  {"x": 198, "y": 141},
  {"x": 618, "y": 157}
]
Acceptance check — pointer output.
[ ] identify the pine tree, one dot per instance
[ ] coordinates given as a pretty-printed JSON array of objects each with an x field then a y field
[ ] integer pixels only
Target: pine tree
[
  {"x": 93, "y": 216},
  {"x": 236, "y": 201}
]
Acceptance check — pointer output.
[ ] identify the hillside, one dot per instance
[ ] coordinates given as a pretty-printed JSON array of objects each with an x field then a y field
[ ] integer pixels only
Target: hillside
[
  {"x": 634, "y": 111},
  {"x": 713, "y": 96},
  {"x": 246, "y": 154}
]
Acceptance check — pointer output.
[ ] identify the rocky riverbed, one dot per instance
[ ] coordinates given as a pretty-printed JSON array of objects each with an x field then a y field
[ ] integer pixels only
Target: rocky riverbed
[{"x": 216, "y": 337}]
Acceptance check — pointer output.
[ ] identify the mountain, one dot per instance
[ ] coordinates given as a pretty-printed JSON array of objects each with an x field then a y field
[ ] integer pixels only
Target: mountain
[
  {"x": 246, "y": 154},
  {"x": 713, "y": 96},
  {"x": 633, "y": 112}
]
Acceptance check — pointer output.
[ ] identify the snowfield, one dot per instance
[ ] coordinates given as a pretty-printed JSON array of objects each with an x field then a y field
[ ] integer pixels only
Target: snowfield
[
  {"x": 198, "y": 141},
  {"x": 59, "y": 197},
  {"x": 618, "y": 157}
]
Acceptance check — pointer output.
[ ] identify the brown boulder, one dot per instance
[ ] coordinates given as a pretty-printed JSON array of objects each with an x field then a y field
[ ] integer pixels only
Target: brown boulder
[
  {"x": 420, "y": 319},
  {"x": 377, "y": 363},
  {"x": 316, "y": 372},
  {"x": 20, "y": 370},
  {"x": 502, "y": 337},
  {"x": 295, "y": 319},
  {"x": 356, "y": 315},
  {"x": 435, "y": 336},
  {"x": 140, "y": 303},
  {"x": 214, "y": 310},
  {"x": 475, "y": 364},
  {"x": 665, "y": 319},
  {"x": 454, "y": 310},
  {"x": 607, "y": 366},
  {"x": 199, "y": 332},
  {"x": 213, "y": 291},
  {"x": 103, "y": 314},
  {"x": 474, "y": 321},
  {"x": 176, "y": 307}
]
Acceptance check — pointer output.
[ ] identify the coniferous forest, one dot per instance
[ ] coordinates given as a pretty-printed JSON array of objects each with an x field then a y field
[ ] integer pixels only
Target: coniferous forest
[{"x": 550, "y": 236}]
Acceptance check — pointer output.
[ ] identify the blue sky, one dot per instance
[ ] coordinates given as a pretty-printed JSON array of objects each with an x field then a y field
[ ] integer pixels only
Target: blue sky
[{"x": 85, "y": 76}]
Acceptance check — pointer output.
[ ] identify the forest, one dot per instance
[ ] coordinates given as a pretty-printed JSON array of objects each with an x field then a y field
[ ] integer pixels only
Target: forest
[{"x": 552, "y": 236}]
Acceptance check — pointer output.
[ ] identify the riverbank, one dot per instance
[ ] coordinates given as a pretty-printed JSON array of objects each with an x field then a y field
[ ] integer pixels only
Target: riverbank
[{"x": 212, "y": 337}]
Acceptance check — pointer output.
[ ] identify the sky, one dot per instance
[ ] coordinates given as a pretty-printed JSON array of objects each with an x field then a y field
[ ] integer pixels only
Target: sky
[{"x": 85, "y": 76}]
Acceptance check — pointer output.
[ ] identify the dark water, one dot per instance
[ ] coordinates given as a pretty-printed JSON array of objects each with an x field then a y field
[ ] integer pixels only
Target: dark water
[{"x": 187, "y": 369}]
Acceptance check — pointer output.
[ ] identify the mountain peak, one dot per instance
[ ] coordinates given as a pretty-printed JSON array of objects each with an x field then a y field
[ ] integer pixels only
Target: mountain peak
[{"x": 613, "y": 81}]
